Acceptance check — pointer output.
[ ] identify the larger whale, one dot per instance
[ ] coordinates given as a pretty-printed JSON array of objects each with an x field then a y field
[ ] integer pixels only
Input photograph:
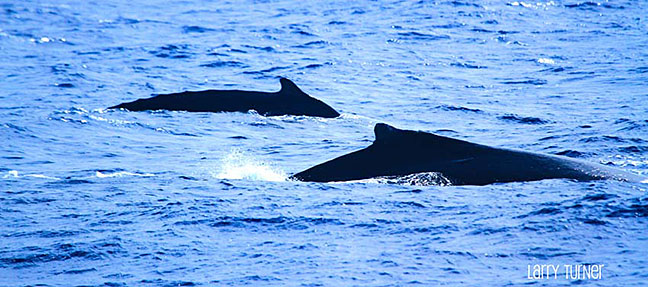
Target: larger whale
[
  {"x": 290, "y": 100},
  {"x": 397, "y": 152}
]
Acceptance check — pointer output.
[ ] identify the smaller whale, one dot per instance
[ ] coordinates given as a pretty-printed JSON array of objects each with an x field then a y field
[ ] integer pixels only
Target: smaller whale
[
  {"x": 397, "y": 152},
  {"x": 290, "y": 100}
]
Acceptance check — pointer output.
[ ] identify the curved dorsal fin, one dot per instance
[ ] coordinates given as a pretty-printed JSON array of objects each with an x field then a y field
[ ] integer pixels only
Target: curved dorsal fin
[
  {"x": 289, "y": 88},
  {"x": 385, "y": 132}
]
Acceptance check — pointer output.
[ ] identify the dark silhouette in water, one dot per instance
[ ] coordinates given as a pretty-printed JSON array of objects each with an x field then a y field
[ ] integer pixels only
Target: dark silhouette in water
[
  {"x": 398, "y": 152},
  {"x": 290, "y": 100}
]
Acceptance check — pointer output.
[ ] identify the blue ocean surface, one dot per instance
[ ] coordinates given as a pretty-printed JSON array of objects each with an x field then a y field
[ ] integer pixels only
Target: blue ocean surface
[{"x": 97, "y": 197}]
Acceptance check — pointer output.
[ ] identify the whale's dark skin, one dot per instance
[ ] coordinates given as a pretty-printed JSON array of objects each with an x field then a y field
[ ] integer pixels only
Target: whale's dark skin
[
  {"x": 398, "y": 152},
  {"x": 290, "y": 100}
]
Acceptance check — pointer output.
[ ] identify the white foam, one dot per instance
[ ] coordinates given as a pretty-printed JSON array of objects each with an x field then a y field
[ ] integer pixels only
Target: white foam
[
  {"x": 111, "y": 121},
  {"x": 546, "y": 61},
  {"x": 11, "y": 173},
  {"x": 523, "y": 4},
  {"x": 354, "y": 117},
  {"x": 415, "y": 179},
  {"x": 36, "y": 175},
  {"x": 236, "y": 165},
  {"x": 121, "y": 174},
  {"x": 16, "y": 174}
]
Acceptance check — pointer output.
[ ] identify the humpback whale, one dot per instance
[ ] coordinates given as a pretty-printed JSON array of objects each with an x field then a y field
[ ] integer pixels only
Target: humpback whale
[
  {"x": 397, "y": 152},
  {"x": 290, "y": 100}
]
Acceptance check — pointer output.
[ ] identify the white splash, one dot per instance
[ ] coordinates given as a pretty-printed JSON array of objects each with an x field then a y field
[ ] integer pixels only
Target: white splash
[
  {"x": 236, "y": 165},
  {"x": 121, "y": 174},
  {"x": 415, "y": 179},
  {"x": 15, "y": 174},
  {"x": 546, "y": 61},
  {"x": 523, "y": 4},
  {"x": 11, "y": 173}
]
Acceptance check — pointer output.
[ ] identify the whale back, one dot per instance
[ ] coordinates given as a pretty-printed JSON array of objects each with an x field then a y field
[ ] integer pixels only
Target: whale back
[
  {"x": 398, "y": 152},
  {"x": 289, "y": 100},
  {"x": 394, "y": 152}
]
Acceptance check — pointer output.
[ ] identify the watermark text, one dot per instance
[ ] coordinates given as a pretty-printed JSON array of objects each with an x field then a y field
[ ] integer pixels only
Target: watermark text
[{"x": 565, "y": 271}]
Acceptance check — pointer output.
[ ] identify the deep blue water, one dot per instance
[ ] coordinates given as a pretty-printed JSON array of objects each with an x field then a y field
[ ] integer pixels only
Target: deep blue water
[{"x": 99, "y": 197}]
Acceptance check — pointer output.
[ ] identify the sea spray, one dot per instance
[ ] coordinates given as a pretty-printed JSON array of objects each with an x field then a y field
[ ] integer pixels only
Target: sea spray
[{"x": 237, "y": 165}]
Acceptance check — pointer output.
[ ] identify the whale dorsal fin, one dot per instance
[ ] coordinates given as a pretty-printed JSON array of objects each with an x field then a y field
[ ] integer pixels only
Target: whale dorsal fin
[
  {"x": 289, "y": 88},
  {"x": 385, "y": 132}
]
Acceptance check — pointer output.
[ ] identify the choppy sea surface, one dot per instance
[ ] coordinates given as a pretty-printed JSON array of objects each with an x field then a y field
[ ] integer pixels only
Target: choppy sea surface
[{"x": 96, "y": 197}]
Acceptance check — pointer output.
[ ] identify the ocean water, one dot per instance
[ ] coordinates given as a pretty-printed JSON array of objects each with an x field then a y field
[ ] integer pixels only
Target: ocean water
[{"x": 95, "y": 197}]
